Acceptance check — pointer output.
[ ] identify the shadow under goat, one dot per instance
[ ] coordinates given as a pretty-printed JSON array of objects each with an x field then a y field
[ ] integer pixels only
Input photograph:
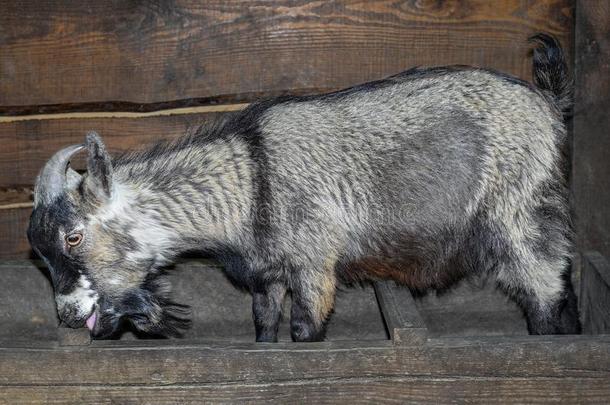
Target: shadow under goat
[{"x": 425, "y": 178}]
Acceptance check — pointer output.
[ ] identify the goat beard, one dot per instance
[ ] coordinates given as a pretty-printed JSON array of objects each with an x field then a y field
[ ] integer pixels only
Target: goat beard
[{"x": 150, "y": 310}]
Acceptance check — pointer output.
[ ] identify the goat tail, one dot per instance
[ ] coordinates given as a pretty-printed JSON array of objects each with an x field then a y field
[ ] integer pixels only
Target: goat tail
[{"x": 551, "y": 70}]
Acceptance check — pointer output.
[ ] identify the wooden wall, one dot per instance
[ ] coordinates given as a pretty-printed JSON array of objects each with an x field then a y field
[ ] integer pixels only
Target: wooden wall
[
  {"x": 140, "y": 70},
  {"x": 591, "y": 150}
]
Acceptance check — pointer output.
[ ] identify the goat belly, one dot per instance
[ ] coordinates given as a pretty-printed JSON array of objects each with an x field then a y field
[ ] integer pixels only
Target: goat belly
[{"x": 410, "y": 272}]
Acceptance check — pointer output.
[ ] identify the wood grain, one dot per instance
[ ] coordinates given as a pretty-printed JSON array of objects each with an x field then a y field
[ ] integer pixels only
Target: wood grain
[
  {"x": 190, "y": 361},
  {"x": 377, "y": 390},
  {"x": 13, "y": 240},
  {"x": 137, "y": 52},
  {"x": 591, "y": 144},
  {"x": 595, "y": 293},
  {"x": 400, "y": 314}
]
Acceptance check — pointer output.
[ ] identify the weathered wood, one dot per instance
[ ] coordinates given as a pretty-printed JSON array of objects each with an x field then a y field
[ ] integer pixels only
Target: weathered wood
[
  {"x": 187, "y": 362},
  {"x": 595, "y": 293},
  {"x": 15, "y": 207},
  {"x": 13, "y": 240},
  {"x": 474, "y": 307},
  {"x": 142, "y": 52},
  {"x": 73, "y": 337},
  {"x": 377, "y": 390},
  {"x": 400, "y": 313},
  {"x": 590, "y": 162},
  {"x": 14, "y": 197}
]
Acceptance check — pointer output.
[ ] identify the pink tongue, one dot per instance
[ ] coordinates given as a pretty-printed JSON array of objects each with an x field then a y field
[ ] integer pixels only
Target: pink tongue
[{"x": 91, "y": 321}]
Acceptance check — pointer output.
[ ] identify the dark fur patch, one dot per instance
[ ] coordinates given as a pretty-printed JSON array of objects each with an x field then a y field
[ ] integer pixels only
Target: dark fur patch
[
  {"x": 246, "y": 125},
  {"x": 551, "y": 70},
  {"x": 44, "y": 236}
]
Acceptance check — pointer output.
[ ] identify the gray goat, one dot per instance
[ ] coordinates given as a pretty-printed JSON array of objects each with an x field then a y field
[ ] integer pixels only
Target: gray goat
[{"x": 424, "y": 178}]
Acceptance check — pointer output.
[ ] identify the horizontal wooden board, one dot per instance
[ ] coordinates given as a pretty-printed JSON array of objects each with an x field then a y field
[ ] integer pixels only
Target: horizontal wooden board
[
  {"x": 377, "y": 390},
  {"x": 188, "y": 362},
  {"x": 13, "y": 240},
  {"x": 76, "y": 51}
]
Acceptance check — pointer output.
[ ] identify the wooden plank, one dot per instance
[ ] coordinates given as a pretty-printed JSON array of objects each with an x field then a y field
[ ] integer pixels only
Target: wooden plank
[
  {"x": 187, "y": 362},
  {"x": 595, "y": 294},
  {"x": 15, "y": 208},
  {"x": 13, "y": 225},
  {"x": 378, "y": 390},
  {"x": 140, "y": 52},
  {"x": 400, "y": 313},
  {"x": 590, "y": 163},
  {"x": 15, "y": 197}
]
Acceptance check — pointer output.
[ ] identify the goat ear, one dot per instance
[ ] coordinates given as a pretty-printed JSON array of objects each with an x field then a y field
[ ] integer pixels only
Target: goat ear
[{"x": 99, "y": 168}]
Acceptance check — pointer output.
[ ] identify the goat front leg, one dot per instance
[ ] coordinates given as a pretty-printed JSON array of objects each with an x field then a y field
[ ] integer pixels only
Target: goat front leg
[
  {"x": 313, "y": 299},
  {"x": 267, "y": 311}
]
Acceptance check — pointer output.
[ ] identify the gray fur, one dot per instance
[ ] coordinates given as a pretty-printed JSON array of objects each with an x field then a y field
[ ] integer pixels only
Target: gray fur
[{"x": 425, "y": 177}]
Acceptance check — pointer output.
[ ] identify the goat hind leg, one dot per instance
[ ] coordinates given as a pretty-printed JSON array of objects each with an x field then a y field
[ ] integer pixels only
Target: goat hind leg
[
  {"x": 313, "y": 299},
  {"x": 544, "y": 291}
]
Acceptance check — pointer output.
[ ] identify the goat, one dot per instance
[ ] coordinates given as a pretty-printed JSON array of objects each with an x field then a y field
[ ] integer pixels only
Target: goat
[{"x": 425, "y": 177}]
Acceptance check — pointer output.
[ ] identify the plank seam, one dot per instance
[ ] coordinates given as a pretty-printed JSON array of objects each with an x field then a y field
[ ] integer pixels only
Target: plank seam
[
  {"x": 126, "y": 114},
  {"x": 16, "y": 206},
  {"x": 318, "y": 380}
]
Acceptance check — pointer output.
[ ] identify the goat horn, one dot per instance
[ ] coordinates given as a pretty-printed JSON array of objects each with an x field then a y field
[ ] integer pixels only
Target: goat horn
[{"x": 51, "y": 181}]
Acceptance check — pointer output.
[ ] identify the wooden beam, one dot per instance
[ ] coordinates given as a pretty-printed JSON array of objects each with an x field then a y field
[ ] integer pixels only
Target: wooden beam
[{"x": 400, "y": 313}]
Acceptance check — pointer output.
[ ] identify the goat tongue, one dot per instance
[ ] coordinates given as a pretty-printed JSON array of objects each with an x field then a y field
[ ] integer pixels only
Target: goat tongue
[{"x": 91, "y": 321}]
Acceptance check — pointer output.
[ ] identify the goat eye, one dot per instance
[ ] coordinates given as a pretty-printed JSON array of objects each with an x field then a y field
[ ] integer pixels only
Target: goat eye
[{"x": 74, "y": 239}]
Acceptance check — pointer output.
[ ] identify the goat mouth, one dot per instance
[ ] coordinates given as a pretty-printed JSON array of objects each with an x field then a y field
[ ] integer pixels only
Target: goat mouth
[{"x": 92, "y": 320}]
